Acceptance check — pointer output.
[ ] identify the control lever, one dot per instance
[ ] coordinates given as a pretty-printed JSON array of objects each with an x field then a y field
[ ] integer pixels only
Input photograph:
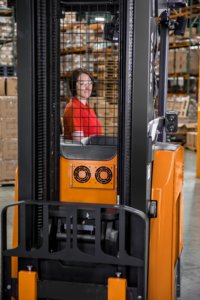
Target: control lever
[
  {"x": 170, "y": 122},
  {"x": 154, "y": 127}
]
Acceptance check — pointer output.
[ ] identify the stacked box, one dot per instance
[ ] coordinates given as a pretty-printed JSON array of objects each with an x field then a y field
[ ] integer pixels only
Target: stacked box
[
  {"x": 69, "y": 17},
  {"x": 79, "y": 35},
  {"x": 95, "y": 37},
  {"x": 8, "y": 137},
  {"x": 2, "y": 86},
  {"x": 8, "y": 149},
  {"x": 106, "y": 68},
  {"x": 171, "y": 62},
  {"x": 194, "y": 61},
  {"x": 186, "y": 108},
  {"x": 107, "y": 79},
  {"x": 7, "y": 34},
  {"x": 7, "y": 54},
  {"x": 188, "y": 34},
  {"x": 171, "y": 38},
  {"x": 193, "y": 110},
  {"x": 107, "y": 88},
  {"x": 7, "y": 170},
  {"x": 73, "y": 38},
  {"x": 179, "y": 104},
  {"x": 191, "y": 140},
  {"x": 3, "y": 3},
  {"x": 5, "y": 26},
  {"x": 78, "y": 43},
  {"x": 184, "y": 127},
  {"x": 107, "y": 114},
  {"x": 8, "y": 86},
  {"x": 11, "y": 86},
  {"x": 70, "y": 62},
  {"x": 187, "y": 60},
  {"x": 181, "y": 65},
  {"x": 8, "y": 127}
]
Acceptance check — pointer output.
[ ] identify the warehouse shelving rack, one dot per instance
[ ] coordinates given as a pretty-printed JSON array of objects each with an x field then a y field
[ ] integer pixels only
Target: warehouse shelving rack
[
  {"x": 192, "y": 13},
  {"x": 185, "y": 84},
  {"x": 8, "y": 69}
]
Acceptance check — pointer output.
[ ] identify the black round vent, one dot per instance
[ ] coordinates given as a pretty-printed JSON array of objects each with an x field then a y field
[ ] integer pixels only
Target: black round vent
[
  {"x": 103, "y": 175},
  {"x": 82, "y": 174}
]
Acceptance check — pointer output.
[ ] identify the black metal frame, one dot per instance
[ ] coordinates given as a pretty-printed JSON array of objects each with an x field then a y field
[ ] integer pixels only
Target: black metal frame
[
  {"x": 142, "y": 107},
  {"x": 163, "y": 80},
  {"x": 70, "y": 211},
  {"x": 26, "y": 143},
  {"x": 38, "y": 89},
  {"x": 71, "y": 252}
]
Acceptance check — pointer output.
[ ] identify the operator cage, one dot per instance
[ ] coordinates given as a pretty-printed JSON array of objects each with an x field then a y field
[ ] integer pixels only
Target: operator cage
[{"x": 89, "y": 73}]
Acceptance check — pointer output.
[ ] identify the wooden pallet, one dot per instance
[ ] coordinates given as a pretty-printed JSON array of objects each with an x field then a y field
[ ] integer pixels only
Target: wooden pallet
[
  {"x": 190, "y": 147},
  {"x": 180, "y": 106},
  {"x": 111, "y": 86},
  {"x": 112, "y": 94},
  {"x": 7, "y": 183}
]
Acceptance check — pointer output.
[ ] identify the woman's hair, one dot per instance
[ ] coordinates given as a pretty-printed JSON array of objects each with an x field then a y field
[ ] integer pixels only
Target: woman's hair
[{"x": 74, "y": 77}]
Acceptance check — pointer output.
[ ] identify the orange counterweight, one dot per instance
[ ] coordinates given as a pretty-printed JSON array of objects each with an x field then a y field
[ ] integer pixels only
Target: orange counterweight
[{"x": 165, "y": 230}]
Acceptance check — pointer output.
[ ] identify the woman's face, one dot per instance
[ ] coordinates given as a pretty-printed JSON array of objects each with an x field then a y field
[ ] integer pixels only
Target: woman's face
[{"x": 84, "y": 86}]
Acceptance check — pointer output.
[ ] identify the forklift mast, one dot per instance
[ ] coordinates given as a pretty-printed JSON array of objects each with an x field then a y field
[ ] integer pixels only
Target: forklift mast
[
  {"x": 39, "y": 98},
  {"x": 95, "y": 249}
]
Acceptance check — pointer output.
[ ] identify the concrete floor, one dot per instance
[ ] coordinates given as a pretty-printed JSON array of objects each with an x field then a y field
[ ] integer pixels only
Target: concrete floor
[{"x": 191, "y": 230}]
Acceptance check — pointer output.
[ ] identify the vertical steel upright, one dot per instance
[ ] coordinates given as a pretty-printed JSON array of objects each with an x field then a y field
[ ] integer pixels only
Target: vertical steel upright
[
  {"x": 38, "y": 106},
  {"x": 38, "y": 88},
  {"x": 163, "y": 70},
  {"x": 139, "y": 105}
]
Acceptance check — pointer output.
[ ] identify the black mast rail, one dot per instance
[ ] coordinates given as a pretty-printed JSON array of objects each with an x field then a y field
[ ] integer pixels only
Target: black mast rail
[{"x": 38, "y": 86}]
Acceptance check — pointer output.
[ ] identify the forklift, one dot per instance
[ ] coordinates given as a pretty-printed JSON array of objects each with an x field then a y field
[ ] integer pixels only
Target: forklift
[{"x": 100, "y": 220}]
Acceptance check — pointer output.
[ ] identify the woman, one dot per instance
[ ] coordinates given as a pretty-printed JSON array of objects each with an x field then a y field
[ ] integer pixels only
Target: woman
[{"x": 79, "y": 118}]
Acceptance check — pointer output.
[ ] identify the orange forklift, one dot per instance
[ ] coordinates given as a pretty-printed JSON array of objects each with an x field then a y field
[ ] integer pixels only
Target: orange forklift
[{"x": 99, "y": 219}]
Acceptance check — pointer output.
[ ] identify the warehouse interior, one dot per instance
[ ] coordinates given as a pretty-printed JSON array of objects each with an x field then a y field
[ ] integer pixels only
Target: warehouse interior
[{"x": 88, "y": 41}]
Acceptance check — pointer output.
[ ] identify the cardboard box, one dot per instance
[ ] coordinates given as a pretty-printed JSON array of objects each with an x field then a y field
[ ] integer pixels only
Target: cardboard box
[
  {"x": 3, "y": 3},
  {"x": 11, "y": 86},
  {"x": 185, "y": 128},
  {"x": 7, "y": 169},
  {"x": 2, "y": 86},
  {"x": 8, "y": 149},
  {"x": 171, "y": 62},
  {"x": 194, "y": 61},
  {"x": 181, "y": 61},
  {"x": 191, "y": 140},
  {"x": 8, "y": 107},
  {"x": 8, "y": 128},
  {"x": 189, "y": 33}
]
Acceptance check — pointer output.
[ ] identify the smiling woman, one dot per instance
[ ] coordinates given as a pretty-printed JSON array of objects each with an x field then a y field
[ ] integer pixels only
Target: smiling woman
[{"x": 79, "y": 118}]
